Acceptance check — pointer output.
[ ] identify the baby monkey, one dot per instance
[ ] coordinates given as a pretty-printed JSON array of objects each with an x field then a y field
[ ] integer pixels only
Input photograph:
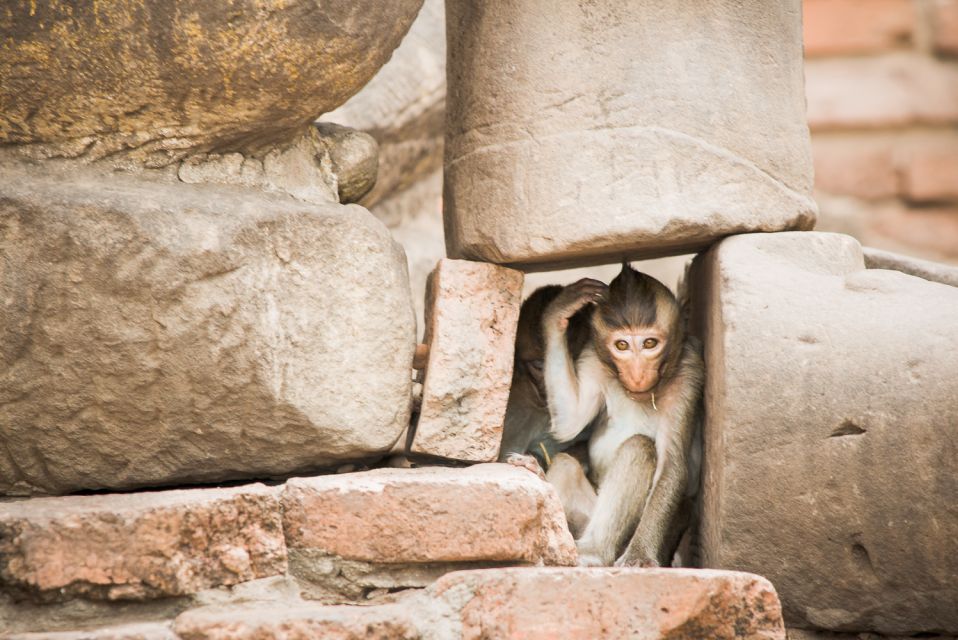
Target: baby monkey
[{"x": 637, "y": 383}]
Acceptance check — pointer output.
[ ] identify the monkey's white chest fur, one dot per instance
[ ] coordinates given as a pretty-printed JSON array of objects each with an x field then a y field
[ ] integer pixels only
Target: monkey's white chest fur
[{"x": 623, "y": 418}]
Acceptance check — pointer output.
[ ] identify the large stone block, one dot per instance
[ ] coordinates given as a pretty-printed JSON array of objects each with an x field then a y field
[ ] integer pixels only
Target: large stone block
[
  {"x": 587, "y": 133},
  {"x": 491, "y": 513},
  {"x": 156, "y": 334},
  {"x": 472, "y": 311},
  {"x": 156, "y": 80},
  {"x": 140, "y": 545},
  {"x": 831, "y": 465}
]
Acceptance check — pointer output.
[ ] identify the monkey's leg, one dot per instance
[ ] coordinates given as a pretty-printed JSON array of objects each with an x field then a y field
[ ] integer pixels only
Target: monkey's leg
[
  {"x": 621, "y": 498},
  {"x": 574, "y": 489}
]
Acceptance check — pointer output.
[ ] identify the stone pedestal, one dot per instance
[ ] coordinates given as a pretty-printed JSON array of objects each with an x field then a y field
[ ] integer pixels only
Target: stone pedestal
[{"x": 583, "y": 133}]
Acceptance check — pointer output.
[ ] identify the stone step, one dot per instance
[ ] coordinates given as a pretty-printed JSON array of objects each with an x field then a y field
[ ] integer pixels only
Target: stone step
[
  {"x": 529, "y": 603},
  {"x": 349, "y": 533}
]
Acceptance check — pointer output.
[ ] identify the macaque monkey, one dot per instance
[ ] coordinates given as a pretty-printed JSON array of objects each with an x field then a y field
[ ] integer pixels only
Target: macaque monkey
[{"x": 638, "y": 383}]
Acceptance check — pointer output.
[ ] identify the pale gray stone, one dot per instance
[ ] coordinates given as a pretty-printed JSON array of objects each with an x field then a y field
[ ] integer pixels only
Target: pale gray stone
[
  {"x": 933, "y": 271},
  {"x": 583, "y": 134},
  {"x": 158, "y": 334},
  {"x": 831, "y": 465}
]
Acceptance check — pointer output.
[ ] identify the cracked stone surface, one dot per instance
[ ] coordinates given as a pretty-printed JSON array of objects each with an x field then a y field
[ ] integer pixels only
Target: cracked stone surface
[
  {"x": 171, "y": 333},
  {"x": 830, "y": 462},
  {"x": 580, "y": 136}
]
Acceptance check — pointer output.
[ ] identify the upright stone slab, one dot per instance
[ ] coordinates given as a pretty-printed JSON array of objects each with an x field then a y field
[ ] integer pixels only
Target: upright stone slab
[
  {"x": 472, "y": 310},
  {"x": 831, "y": 463},
  {"x": 589, "y": 132},
  {"x": 157, "y": 334}
]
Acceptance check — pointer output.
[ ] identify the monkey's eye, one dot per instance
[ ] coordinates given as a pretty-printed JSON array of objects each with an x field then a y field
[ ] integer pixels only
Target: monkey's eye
[
  {"x": 649, "y": 343},
  {"x": 621, "y": 345}
]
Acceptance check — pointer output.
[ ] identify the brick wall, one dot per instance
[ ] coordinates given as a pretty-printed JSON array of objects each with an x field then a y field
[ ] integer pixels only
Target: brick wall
[{"x": 882, "y": 87}]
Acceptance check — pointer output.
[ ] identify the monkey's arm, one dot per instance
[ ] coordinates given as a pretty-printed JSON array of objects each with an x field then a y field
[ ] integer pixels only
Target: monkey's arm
[{"x": 574, "y": 400}]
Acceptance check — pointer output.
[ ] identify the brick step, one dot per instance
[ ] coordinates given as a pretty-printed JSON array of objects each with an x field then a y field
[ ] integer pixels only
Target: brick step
[
  {"x": 530, "y": 603},
  {"x": 341, "y": 535}
]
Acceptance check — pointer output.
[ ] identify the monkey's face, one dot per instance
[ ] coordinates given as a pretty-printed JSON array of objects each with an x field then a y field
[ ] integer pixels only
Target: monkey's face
[{"x": 637, "y": 353}]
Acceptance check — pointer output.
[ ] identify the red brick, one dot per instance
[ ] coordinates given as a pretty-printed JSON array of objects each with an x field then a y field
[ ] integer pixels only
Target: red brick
[
  {"x": 584, "y": 604},
  {"x": 861, "y": 166},
  {"x": 471, "y": 316},
  {"x": 887, "y": 91},
  {"x": 945, "y": 25},
  {"x": 853, "y": 26},
  {"x": 487, "y": 512},
  {"x": 930, "y": 169}
]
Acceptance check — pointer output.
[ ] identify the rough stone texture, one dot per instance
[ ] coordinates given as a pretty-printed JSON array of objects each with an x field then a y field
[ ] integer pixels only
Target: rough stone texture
[
  {"x": 828, "y": 466},
  {"x": 643, "y": 604},
  {"x": 811, "y": 634},
  {"x": 354, "y": 156},
  {"x": 157, "y": 334},
  {"x": 855, "y": 27},
  {"x": 300, "y": 621},
  {"x": 403, "y": 106},
  {"x": 472, "y": 310},
  {"x": 155, "y": 80},
  {"x": 489, "y": 512},
  {"x": 581, "y": 134},
  {"x": 891, "y": 90},
  {"x": 141, "y": 631},
  {"x": 933, "y": 271},
  {"x": 139, "y": 546}
]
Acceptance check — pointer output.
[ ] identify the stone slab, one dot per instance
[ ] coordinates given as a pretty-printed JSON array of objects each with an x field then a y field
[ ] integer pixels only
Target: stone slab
[
  {"x": 141, "y": 545},
  {"x": 472, "y": 310},
  {"x": 489, "y": 512},
  {"x": 830, "y": 466},
  {"x": 582, "y": 134},
  {"x": 169, "y": 333}
]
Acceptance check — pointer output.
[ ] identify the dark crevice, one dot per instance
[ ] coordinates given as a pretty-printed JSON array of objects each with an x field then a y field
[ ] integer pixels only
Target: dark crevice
[{"x": 847, "y": 428}]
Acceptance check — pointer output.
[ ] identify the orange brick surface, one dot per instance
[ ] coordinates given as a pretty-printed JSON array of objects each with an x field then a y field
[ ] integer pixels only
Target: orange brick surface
[
  {"x": 944, "y": 16},
  {"x": 857, "y": 26}
]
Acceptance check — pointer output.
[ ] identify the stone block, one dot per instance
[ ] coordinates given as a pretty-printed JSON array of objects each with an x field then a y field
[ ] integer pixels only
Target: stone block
[
  {"x": 931, "y": 169},
  {"x": 583, "y": 604},
  {"x": 827, "y": 465},
  {"x": 926, "y": 269},
  {"x": 837, "y": 27},
  {"x": 158, "y": 334},
  {"x": 472, "y": 310},
  {"x": 490, "y": 512},
  {"x": 153, "y": 80},
  {"x": 893, "y": 90},
  {"x": 856, "y": 165},
  {"x": 141, "y": 545},
  {"x": 581, "y": 134}
]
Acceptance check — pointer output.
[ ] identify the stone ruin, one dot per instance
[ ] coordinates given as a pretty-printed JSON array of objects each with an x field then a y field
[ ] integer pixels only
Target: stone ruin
[{"x": 208, "y": 350}]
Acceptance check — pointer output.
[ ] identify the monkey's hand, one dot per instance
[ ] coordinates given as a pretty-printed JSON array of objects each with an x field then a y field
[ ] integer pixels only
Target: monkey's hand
[
  {"x": 632, "y": 558},
  {"x": 526, "y": 462},
  {"x": 573, "y": 297}
]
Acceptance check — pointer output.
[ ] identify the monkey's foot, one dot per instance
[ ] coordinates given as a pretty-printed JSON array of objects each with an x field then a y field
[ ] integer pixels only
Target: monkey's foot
[
  {"x": 526, "y": 462},
  {"x": 626, "y": 560},
  {"x": 590, "y": 560}
]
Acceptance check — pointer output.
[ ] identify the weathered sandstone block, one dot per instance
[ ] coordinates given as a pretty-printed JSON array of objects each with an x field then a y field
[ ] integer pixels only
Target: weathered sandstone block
[
  {"x": 830, "y": 460},
  {"x": 156, "y": 334},
  {"x": 490, "y": 512},
  {"x": 588, "y": 133},
  {"x": 156, "y": 80},
  {"x": 472, "y": 310},
  {"x": 142, "y": 545},
  {"x": 926, "y": 269},
  {"x": 584, "y": 604}
]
